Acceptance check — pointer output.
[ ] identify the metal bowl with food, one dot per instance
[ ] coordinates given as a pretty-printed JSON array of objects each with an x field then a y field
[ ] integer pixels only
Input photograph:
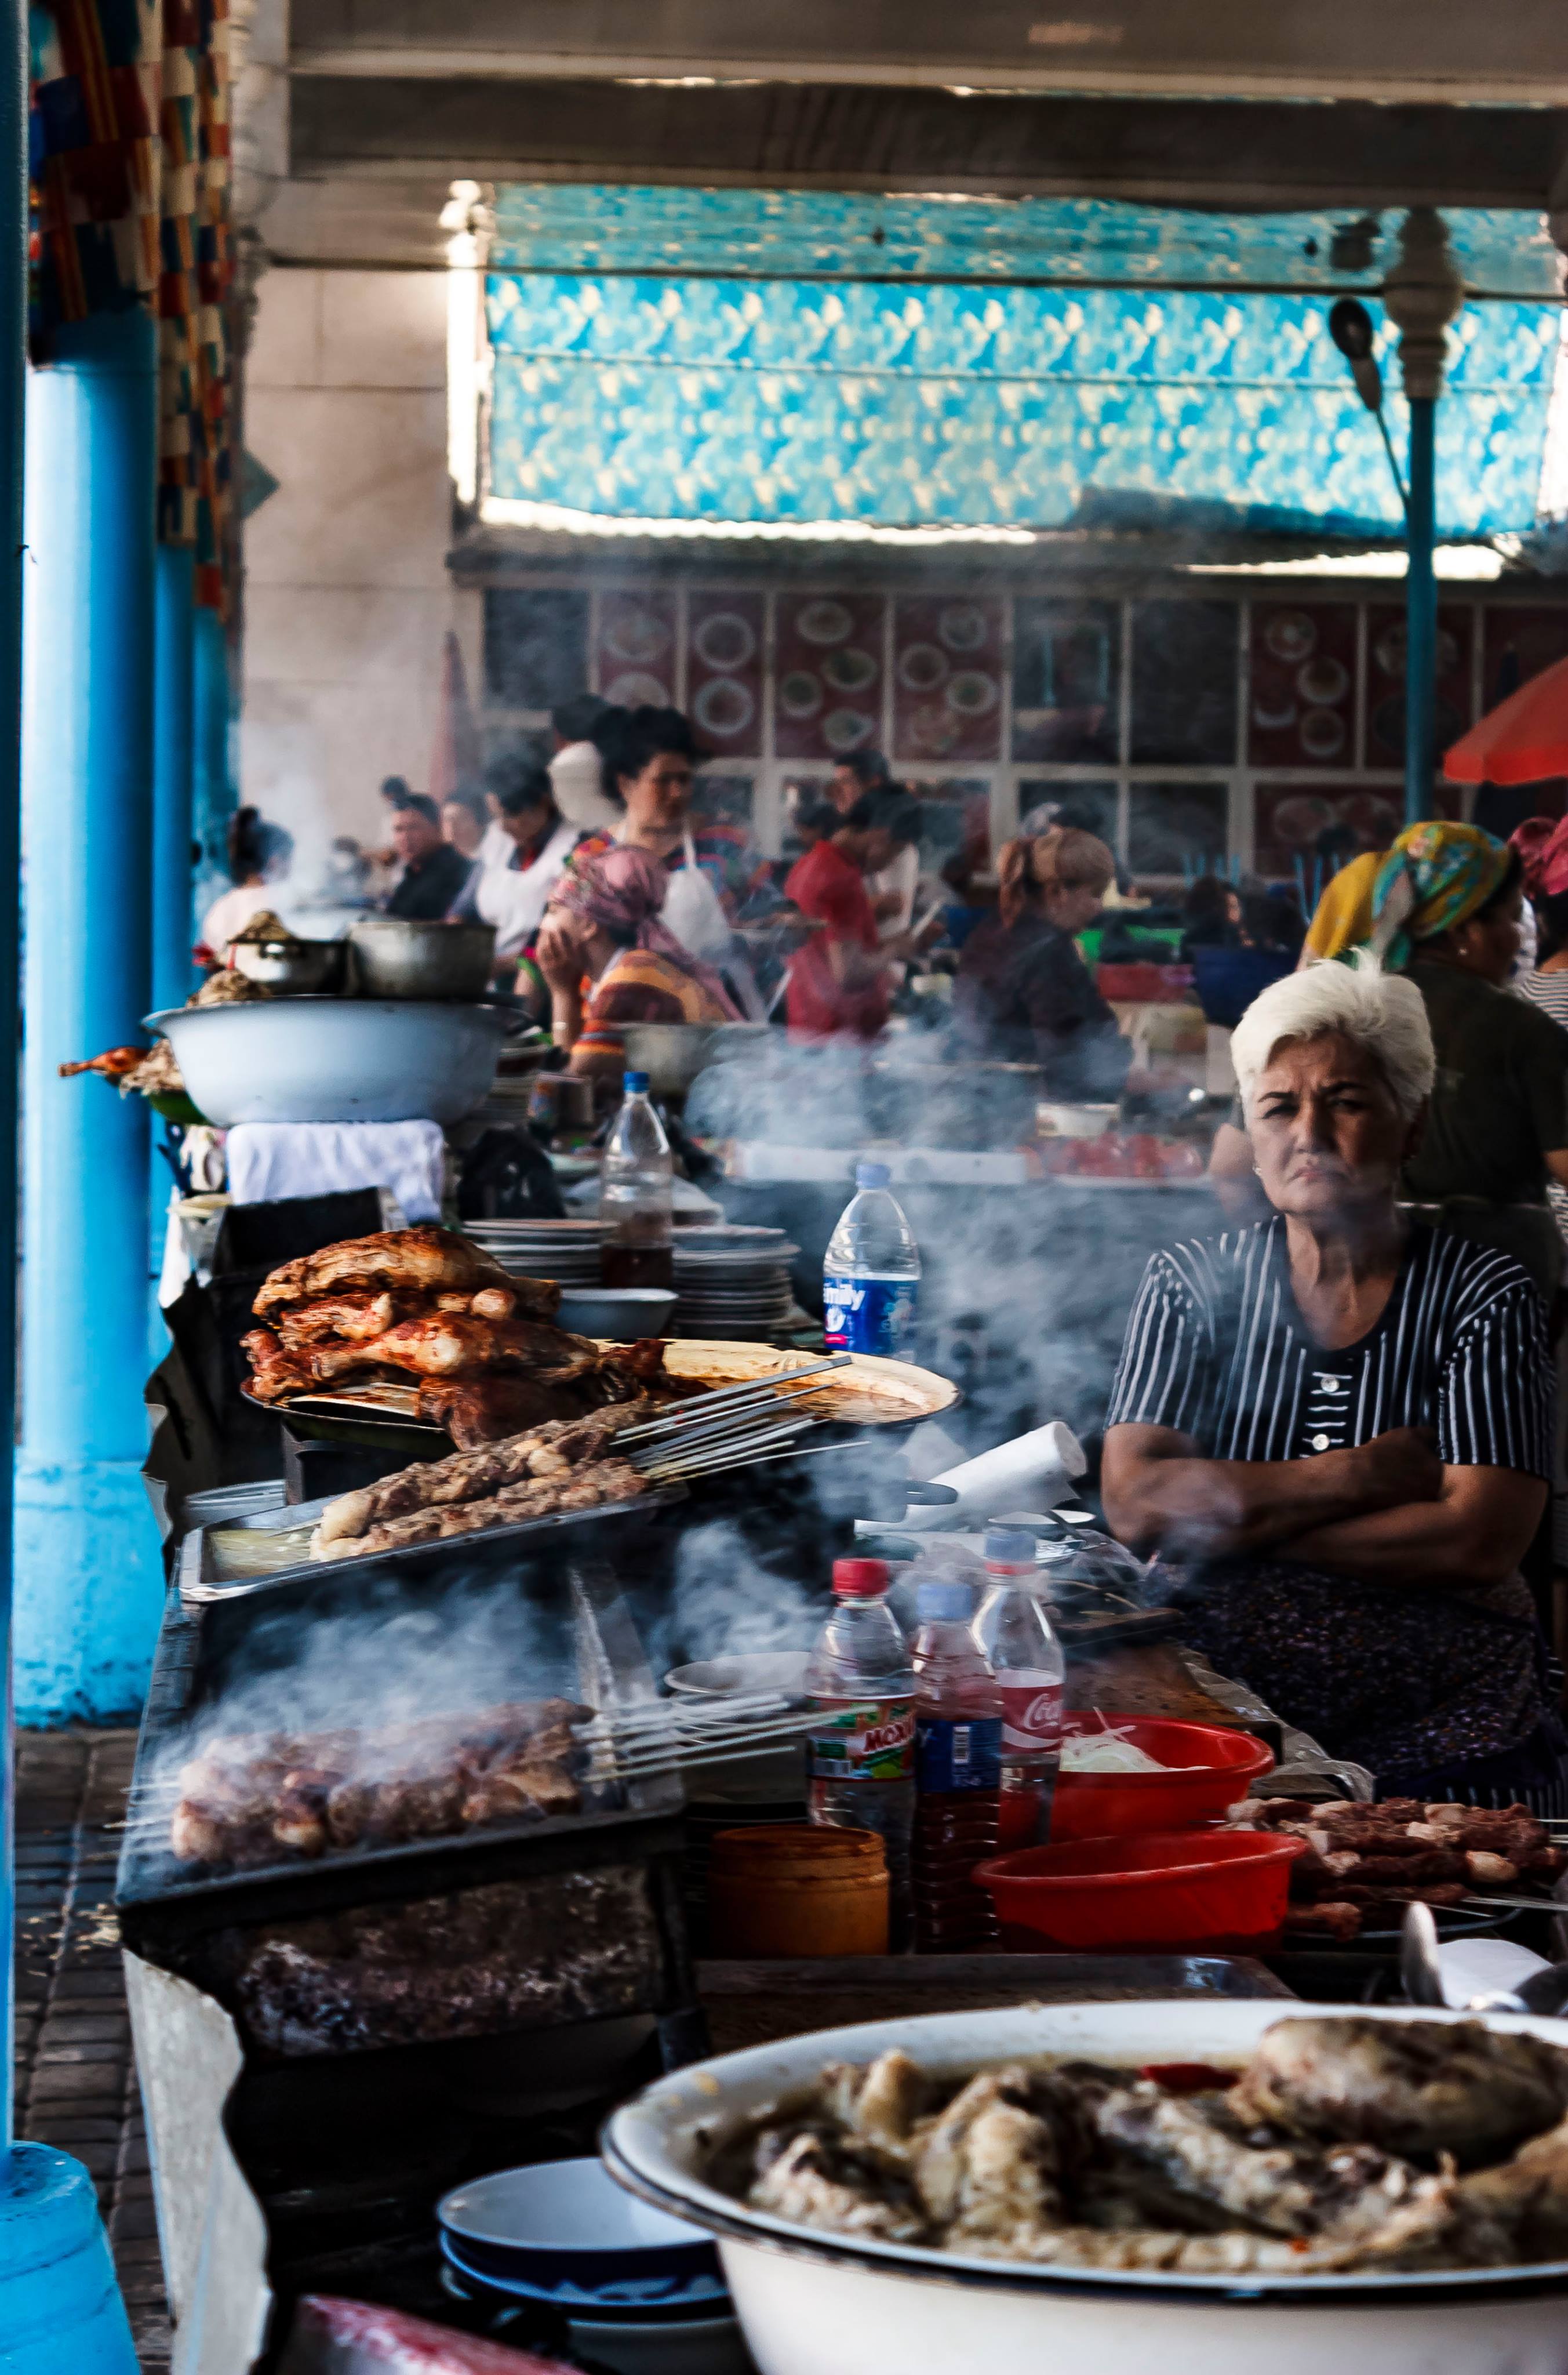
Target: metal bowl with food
[
  {"x": 333, "y": 1058},
  {"x": 292, "y": 968},
  {"x": 392, "y": 956},
  {"x": 1211, "y": 2186}
]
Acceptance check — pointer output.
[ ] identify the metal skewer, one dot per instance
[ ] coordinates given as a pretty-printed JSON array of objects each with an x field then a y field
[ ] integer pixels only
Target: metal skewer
[{"x": 762, "y": 1390}]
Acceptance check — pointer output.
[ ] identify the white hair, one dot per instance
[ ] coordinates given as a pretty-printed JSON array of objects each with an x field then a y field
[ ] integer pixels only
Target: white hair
[{"x": 1384, "y": 1012}]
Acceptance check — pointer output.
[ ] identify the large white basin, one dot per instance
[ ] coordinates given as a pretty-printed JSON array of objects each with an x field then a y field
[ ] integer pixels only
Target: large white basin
[
  {"x": 812, "y": 2303},
  {"x": 334, "y": 1059}
]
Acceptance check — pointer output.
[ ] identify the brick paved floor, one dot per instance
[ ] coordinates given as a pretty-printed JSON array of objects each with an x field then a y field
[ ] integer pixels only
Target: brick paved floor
[{"x": 75, "y": 2082}]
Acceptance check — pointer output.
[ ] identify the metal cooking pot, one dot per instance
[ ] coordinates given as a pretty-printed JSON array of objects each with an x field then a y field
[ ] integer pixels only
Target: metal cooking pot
[
  {"x": 672, "y": 1054},
  {"x": 391, "y": 957},
  {"x": 292, "y": 968}
]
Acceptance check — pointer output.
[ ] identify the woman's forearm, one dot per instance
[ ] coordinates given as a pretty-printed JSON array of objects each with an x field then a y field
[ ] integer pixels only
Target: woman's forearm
[
  {"x": 1159, "y": 1497},
  {"x": 566, "y": 1016},
  {"x": 1476, "y": 1531}
]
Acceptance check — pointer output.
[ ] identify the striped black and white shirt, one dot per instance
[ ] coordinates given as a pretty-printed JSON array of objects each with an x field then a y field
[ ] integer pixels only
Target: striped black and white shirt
[{"x": 1217, "y": 1348}]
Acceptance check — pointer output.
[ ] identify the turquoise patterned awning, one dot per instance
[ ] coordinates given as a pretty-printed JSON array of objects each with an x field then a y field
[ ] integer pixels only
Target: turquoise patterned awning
[{"x": 967, "y": 402}]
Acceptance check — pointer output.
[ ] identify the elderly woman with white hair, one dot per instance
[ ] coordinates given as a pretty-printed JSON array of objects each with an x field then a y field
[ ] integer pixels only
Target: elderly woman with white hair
[{"x": 1335, "y": 1426}]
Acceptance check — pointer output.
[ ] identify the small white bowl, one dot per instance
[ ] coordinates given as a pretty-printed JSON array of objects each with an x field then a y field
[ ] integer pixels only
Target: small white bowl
[{"x": 563, "y": 2231}]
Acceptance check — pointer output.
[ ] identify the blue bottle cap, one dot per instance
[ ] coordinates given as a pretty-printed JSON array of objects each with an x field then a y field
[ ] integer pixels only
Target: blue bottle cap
[
  {"x": 871, "y": 1175},
  {"x": 634, "y": 1083},
  {"x": 1006, "y": 1549},
  {"x": 942, "y": 1599}
]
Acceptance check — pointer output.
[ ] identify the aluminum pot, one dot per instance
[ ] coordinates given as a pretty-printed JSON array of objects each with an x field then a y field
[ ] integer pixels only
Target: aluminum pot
[
  {"x": 292, "y": 968},
  {"x": 672, "y": 1054},
  {"x": 334, "y": 1059},
  {"x": 812, "y": 2303},
  {"x": 394, "y": 958}
]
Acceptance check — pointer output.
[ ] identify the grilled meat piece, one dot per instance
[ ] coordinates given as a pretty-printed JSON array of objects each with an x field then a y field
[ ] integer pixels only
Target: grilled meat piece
[
  {"x": 478, "y": 1411},
  {"x": 112, "y": 1065},
  {"x": 1329, "y": 1917},
  {"x": 352, "y": 1316},
  {"x": 446, "y": 1343},
  {"x": 589, "y": 1487},
  {"x": 529, "y": 1788},
  {"x": 553, "y": 1449},
  {"x": 420, "y": 1260},
  {"x": 1528, "y": 2197},
  {"x": 274, "y": 1372},
  {"x": 1413, "y": 2086}
]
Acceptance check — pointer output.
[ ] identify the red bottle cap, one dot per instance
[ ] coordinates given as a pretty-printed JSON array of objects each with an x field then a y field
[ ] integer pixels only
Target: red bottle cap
[{"x": 859, "y": 1578}]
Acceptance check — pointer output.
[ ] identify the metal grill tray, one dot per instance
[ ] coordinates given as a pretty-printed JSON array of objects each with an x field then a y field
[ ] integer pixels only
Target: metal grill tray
[
  {"x": 598, "y": 1649},
  {"x": 567, "y": 1531}
]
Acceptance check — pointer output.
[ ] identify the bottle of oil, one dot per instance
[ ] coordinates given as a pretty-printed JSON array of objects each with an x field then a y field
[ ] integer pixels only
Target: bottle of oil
[{"x": 636, "y": 1195}]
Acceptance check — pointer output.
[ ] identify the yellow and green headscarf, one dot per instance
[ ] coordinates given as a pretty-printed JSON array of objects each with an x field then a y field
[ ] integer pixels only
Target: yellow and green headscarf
[{"x": 1436, "y": 876}]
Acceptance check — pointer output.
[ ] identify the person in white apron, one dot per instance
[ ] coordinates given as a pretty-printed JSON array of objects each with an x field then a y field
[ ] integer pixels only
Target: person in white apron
[
  {"x": 534, "y": 842},
  {"x": 649, "y": 759}
]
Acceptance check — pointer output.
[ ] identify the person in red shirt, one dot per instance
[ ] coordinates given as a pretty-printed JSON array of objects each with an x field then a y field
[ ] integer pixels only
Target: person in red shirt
[{"x": 839, "y": 979}]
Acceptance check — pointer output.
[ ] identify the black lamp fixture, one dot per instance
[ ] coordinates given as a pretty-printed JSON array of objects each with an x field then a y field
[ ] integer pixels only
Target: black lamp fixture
[{"x": 1349, "y": 326}]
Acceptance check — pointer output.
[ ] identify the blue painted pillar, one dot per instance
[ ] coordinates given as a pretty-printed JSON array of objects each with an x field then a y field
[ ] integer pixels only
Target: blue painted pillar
[
  {"x": 173, "y": 974},
  {"x": 214, "y": 780},
  {"x": 88, "y": 1572}
]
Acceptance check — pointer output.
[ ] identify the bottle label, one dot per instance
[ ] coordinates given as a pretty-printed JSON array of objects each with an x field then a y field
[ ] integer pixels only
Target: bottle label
[
  {"x": 949, "y": 1756},
  {"x": 869, "y": 1315},
  {"x": 1032, "y": 1712},
  {"x": 863, "y": 1740}
]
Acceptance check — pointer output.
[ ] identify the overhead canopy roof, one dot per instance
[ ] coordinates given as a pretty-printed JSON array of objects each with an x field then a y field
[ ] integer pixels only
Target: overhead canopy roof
[{"x": 805, "y": 361}]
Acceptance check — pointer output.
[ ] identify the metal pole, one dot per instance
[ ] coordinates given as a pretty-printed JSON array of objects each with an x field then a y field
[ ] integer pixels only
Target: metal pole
[
  {"x": 214, "y": 789},
  {"x": 173, "y": 757},
  {"x": 88, "y": 1573},
  {"x": 1422, "y": 293},
  {"x": 1421, "y": 615}
]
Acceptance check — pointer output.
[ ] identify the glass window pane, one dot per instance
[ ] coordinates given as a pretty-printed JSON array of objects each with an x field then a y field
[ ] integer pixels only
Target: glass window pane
[
  {"x": 535, "y": 646},
  {"x": 1066, "y": 680},
  {"x": 1184, "y": 683},
  {"x": 1174, "y": 828}
]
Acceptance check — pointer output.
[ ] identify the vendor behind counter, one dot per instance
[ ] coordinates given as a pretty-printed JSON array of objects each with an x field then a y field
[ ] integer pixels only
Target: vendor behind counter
[
  {"x": 1334, "y": 1427},
  {"x": 1023, "y": 993}
]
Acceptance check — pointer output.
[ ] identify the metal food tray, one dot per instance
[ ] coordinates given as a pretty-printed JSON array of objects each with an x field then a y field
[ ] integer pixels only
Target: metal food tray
[{"x": 200, "y": 1583}]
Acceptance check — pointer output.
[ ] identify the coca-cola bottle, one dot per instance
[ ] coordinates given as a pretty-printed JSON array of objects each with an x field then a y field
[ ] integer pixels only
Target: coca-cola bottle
[{"x": 1014, "y": 1632}]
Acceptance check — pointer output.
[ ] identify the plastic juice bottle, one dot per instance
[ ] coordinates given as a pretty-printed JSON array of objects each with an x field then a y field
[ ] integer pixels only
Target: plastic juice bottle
[
  {"x": 871, "y": 1273},
  {"x": 862, "y": 1752},
  {"x": 958, "y": 1757},
  {"x": 636, "y": 1195},
  {"x": 1014, "y": 1634}
]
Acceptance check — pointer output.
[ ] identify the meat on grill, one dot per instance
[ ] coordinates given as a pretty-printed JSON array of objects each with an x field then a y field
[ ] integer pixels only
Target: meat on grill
[
  {"x": 549, "y": 1451},
  {"x": 251, "y": 1797},
  {"x": 1363, "y": 1859},
  {"x": 425, "y": 1259},
  {"x": 483, "y": 1410},
  {"x": 596, "y": 1484}
]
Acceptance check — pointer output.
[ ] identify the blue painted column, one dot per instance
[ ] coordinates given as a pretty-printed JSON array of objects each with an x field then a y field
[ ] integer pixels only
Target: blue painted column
[
  {"x": 214, "y": 779},
  {"x": 88, "y": 1572},
  {"x": 60, "y": 2312},
  {"x": 1420, "y": 614},
  {"x": 173, "y": 974}
]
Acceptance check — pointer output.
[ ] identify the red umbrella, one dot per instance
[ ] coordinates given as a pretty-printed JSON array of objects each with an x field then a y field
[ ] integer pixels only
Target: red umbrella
[{"x": 1524, "y": 741}]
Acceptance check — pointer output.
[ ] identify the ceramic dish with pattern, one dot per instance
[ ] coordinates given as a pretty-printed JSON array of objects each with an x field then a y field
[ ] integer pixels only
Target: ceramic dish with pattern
[
  {"x": 563, "y": 2231},
  {"x": 726, "y": 641},
  {"x": 824, "y": 622}
]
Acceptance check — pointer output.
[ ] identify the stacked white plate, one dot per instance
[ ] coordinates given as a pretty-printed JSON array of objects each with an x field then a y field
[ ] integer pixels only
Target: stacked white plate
[
  {"x": 565, "y": 1250},
  {"x": 733, "y": 1282}
]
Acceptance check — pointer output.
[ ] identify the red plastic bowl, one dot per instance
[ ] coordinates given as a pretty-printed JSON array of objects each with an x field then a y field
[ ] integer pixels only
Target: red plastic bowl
[
  {"x": 1222, "y": 1767},
  {"x": 1164, "y": 1890}
]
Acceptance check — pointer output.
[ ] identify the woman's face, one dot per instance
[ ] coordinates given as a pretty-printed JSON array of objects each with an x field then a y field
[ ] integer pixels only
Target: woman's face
[
  {"x": 1072, "y": 907},
  {"x": 526, "y": 825},
  {"x": 1488, "y": 944},
  {"x": 658, "y": 800},
  {"x": 1327, "y": 1135}
]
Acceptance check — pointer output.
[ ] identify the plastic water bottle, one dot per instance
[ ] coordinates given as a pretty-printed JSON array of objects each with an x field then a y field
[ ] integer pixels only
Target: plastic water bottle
[
  {"x": 871, "y": 1273},
  {"x": 862, "y": 1749},
  {"x": 635, "y": 1195},
  {"x": 1014, "y": 1633},
  {"x": 958, "y": 1763}
]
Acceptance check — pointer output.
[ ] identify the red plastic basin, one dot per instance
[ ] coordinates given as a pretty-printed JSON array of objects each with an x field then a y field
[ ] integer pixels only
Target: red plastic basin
[
  {"x": 1222, "y": 1767},
  {"x": 1162, "y": 1890}
]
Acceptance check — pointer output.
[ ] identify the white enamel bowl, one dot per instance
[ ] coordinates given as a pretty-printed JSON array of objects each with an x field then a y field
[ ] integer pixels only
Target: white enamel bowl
[
  {"x": 818, "y": 2304},
  {"x": 333, "y": 1058}
]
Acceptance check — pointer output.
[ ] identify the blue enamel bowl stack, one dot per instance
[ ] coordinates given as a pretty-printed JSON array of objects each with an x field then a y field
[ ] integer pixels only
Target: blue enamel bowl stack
[{"x": 564, "y": 2233}]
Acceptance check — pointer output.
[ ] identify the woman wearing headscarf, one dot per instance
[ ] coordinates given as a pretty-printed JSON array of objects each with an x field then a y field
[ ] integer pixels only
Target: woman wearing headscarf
[
  {"x": 603, "y": 927},
  {"x": 1342, "y": 917},
  {"x": 1024, "y": 994},
  {"x": 1446, "y": 911}
]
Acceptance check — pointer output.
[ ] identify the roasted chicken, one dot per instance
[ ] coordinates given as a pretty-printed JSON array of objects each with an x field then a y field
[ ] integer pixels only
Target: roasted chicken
[{"x": 425, "y": 1261}]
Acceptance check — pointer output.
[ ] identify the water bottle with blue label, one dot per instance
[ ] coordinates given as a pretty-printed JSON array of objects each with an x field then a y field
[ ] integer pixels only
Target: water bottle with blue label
[{"x": 871, "y": 1273}]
